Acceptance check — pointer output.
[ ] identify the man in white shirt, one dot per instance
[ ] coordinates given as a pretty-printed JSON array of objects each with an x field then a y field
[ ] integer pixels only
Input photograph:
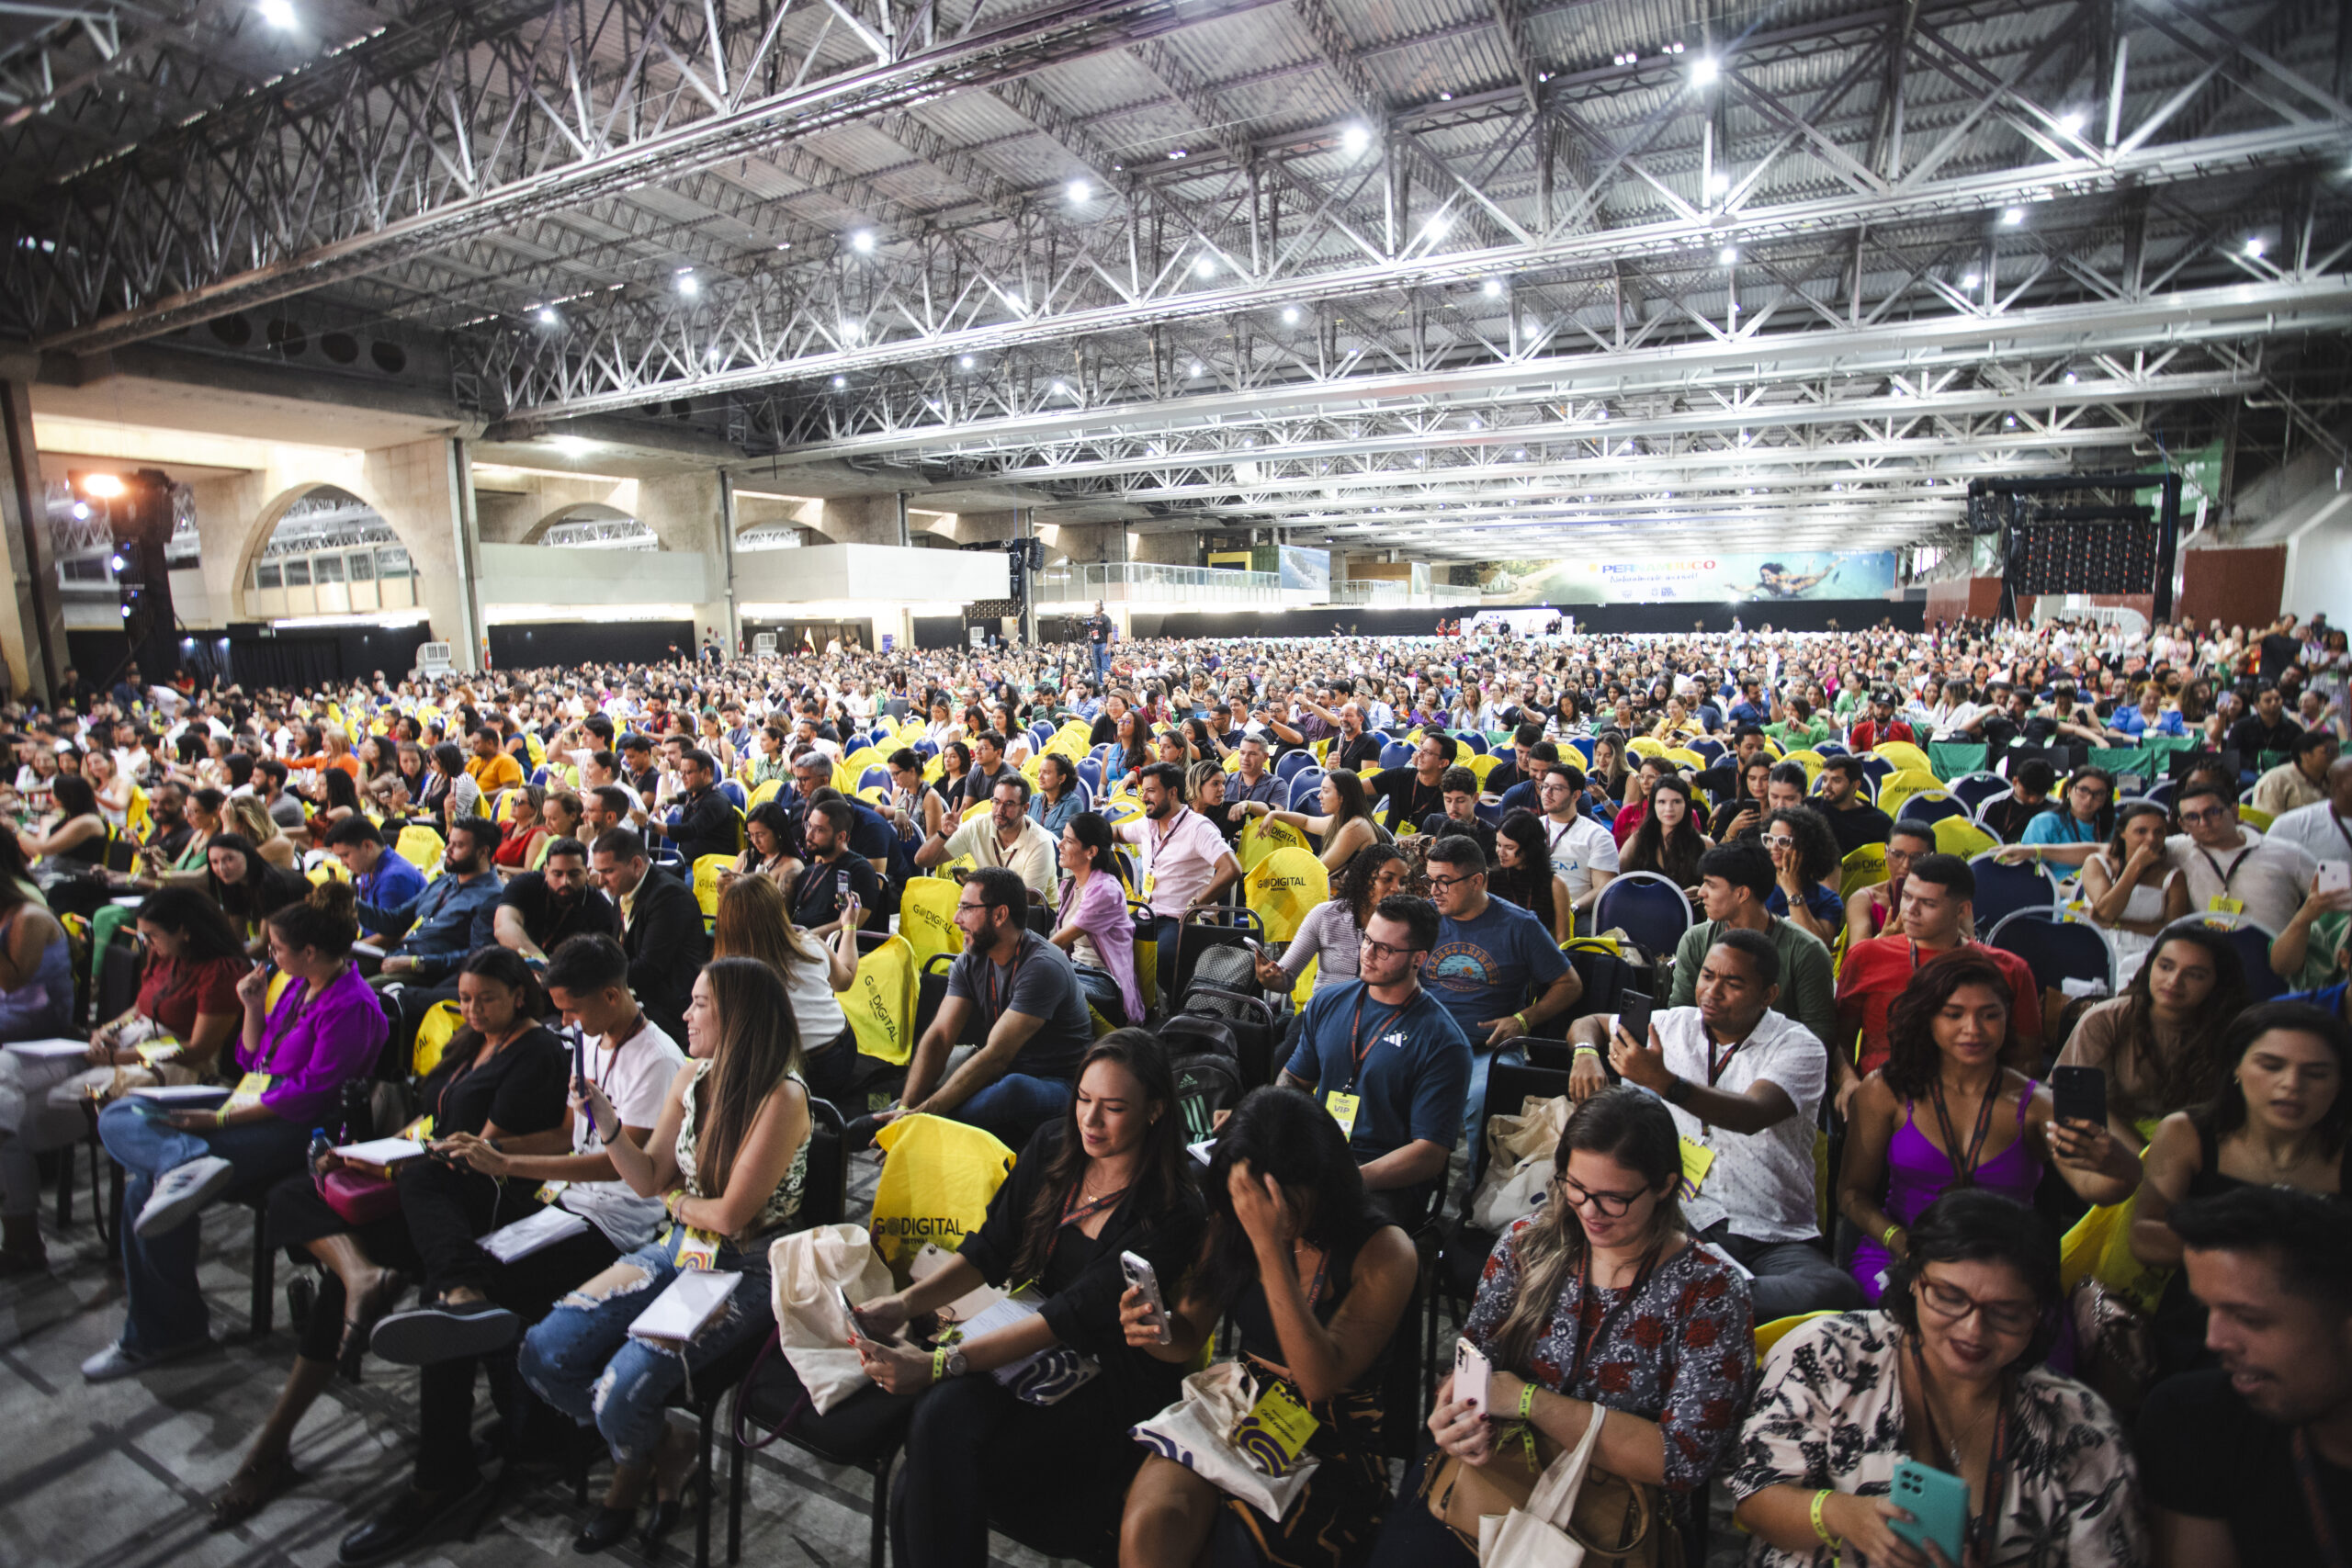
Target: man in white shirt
[
  {"x": 2229, "y": 869},
  {"x": 1582, "y": 850},
  {"x": 1185, "y": 863},
  {"x": 1745, "y": 1085},
  {"x": 1007, "y": 836},
  {"x": 2323, "y": 829}
]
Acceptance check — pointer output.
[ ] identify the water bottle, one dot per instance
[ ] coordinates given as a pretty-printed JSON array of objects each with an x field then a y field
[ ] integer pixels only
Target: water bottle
[{"x": 319, "y": 1147}]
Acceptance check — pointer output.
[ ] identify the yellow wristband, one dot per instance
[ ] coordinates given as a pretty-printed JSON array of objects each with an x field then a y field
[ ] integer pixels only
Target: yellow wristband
[
  {"x": 1526, "y": 1401},
  {"x": 1520, "y": 1019},
  {"x": 1886, "y": 1237},
  {"x": 1820, "y": 1528}
]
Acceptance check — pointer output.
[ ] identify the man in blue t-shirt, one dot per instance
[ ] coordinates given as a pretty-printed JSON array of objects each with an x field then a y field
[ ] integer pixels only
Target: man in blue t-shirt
[
  {"x": 1489, "y": 956},
  {"x": 1389, "y": 1063}
]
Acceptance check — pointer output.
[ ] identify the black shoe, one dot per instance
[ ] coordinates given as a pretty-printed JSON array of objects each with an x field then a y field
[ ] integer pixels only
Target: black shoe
[
  {"x": 668, "y": 1511},
  {"x": 444, "y": 1332},
  {"x": 409, "y": 1516},
  {"x": 607, "y": 1528}
]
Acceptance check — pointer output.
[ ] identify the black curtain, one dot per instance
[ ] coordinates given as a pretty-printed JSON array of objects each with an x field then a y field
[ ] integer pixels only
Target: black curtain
[
  {"x": 318, "y": 657},
  {"x": 542, "y": 644},
  {"x": 940, "y": 631}
]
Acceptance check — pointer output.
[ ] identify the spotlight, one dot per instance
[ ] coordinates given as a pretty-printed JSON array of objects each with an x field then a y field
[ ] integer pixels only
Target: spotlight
[
  {"x": 2012, "y": 216},
  {"x": 1078, "y": 191},
  {"x": 1704, "y": 69},
  {"x": 1730, "y": 253},
  {"x": 862, "y": 242},
  {"x": 1197, "y": 369},
  {"x": 105, "y": 487},
  {"x": 117, "y": 564},
  {"x": 81, "y": 512},
  {"x": 688, "y": 285},
  {"x": 1204, "y": 267},
  {"x": 2254, "y": 245},
  {"x": 277, "y": 12},
  {"x": 2070, "y": 122},
  {"x": 966, "y": 362},
  {"x": 1290, "y": 315},
  {"x": 1355, "y": 138},
  {"x": 840, "y": 380},
  {"x": 1494, "y": 288},
  {"x": 547, "y": 317}
]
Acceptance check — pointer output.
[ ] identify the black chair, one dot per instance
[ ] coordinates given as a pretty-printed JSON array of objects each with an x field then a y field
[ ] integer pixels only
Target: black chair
[{"x": 1463, "y": 1248}]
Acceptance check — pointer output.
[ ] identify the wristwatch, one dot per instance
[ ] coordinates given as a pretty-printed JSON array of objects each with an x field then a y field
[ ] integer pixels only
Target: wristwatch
[{"x": 955, "y": 1364}]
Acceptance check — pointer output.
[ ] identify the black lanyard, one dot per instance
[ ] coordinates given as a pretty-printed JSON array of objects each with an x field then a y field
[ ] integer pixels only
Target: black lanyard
[
  {"x": 2331, "y": 1551},
  {"x": 1584, "y": 1347},
  {"x": 1074, "y": 1212},
  {"x": 2214, "y": 866},
  {"x": 1965, "y": 1166},
  {"x": 1358, "y": 1049},
  {"x": 1983, "y": 1529}
]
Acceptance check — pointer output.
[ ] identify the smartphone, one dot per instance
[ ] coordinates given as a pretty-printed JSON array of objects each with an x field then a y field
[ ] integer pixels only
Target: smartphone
[
  {"x": 1937, "y": 1503},
  {"x": 1633, "y": 1016},
  {"x": 841, "y": 886},
  {"x": 1141, "y": 1276},
  {"x": 2079, "y": 1094},
  {"x": 856, "y": 1324},
  {"x": 579, "y": 1056},
  {"x": 1472, "y": 1374},
  {"x": 2335, "y": 877}
]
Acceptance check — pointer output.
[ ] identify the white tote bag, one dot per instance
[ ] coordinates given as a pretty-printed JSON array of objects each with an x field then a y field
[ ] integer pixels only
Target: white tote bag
[
  {"x": 806, "y": 1271},
  {"x": 1532, "y": 1537},
  {"x": 1192, "y": 1432}
]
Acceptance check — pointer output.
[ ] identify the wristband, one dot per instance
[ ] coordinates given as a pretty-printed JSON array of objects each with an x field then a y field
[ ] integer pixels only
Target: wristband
[
  {"x": 1820, "y": 1528},
  {"x": 1886, "y": 1237},
  {"x": 938, "y": 1365},
  {"x": 1526, "y": 1401},
  {"x": 606, "y": 1138},
  {"x": 220, "y": 1117},
  {"x": 1592, "y": 1051},
  {"x": 1520, "y": 1019}
]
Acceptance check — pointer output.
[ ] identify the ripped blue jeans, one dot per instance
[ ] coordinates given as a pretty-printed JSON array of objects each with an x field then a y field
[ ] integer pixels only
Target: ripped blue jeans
[{"x": 581, "y": 1359}]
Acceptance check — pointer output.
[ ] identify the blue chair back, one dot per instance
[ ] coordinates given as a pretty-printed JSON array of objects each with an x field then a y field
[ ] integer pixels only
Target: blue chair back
[
  {"x": 1395, "y": 754},
  {"x": 1708, "y": 750},
  {"x": 733, "y": 791},
  {"x": 1830, "y": 748},
  {"x": 1306, "y": 785},
  {"x": 874, "y": 775},
  {"x": 1875, "y": 768},
  {"x": 1291, "y": 764},
  {"x": 1975, "y": 789},
  {"x": 1473, "y": 742},
  {"x": 2056, "y": 951},
  {"x": 1582, "y": 743},
  {"x": 1090, "y": 774},
  {"x": 2003, "y": 890},
  {"x": 1647, "y": 908}
]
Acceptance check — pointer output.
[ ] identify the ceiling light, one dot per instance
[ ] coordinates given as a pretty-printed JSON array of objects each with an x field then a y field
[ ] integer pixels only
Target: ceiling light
[
  {"x": 841, "y": 382},
  {"x": 2070, "y": 382},
  {"x": 1078, "y": 191},
  {"x": 105, "y": 487},
  {"x": 1494, "y": 288},
  {"x": 1175, "y": 154},
  {"x": 1729, "y": 254},
  {"x": 2012, "y": 216},
  {"x": 1437, "y": 226},
  {"x": 572, "y": 446},
  {"x": 1355, "y": 138},
  {"x": 81, "y": 512},
  {"x": 2010, "y": 423},
  {"x": 1204, "y": 267},
  {"x": 1718, "y": 183},
  {"x": 1059, "y": 388},
  {"x": 688, "y": 285},
  {"x": 1445, "y": 97},
  {"x": 277, "y": 12},
  {"x": 117, "y": 563},
  {"x": 850, "y": 331},
  {"x": 1197, "y": 367},
  {"x": 2070, "y": 122},
  {"x": 966, "y": 362},
  {"x": 1290, "y": 315},
  {"x": 1704, "y": 69},
  {"x": 547, "y": 316},
  {"x": 2254, "y": 245},
  {"x": 1674, "y": 47},
  {"x": 1521, "y": 453},
  {"x": 1969, "y": 282}
]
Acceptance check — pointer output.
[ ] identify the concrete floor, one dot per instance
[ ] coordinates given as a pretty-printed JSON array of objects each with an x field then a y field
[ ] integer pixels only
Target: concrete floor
[{"x": 116, "y": 1475}]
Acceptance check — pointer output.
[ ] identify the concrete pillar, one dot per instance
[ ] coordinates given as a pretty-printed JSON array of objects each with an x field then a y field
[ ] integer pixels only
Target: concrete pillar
[
  {"x": 32, "y": 615},
  {"x": 687, "y": 513},
  {"x": 862, "y": 520},
  {"x": 423, "y": 490},
  {"x": 733, "y": 627}
]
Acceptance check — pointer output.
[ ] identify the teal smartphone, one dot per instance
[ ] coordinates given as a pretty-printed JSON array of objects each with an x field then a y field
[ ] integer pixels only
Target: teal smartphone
[{"x": 1937, "y": 1501}]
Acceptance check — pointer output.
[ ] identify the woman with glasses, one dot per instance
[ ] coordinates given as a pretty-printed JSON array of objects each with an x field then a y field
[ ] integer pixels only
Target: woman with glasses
[
  {"x": 1871, "y": 911},
  {"x": 2077, "y": 830},
  {"x": 1331, "y": 936},
  {"x": 1945, "y": 1112},
  {"x": 1947, "y": 1374},
  {"x": 1599, "y": 1298},
  {"x": 1805, "y": 872}
]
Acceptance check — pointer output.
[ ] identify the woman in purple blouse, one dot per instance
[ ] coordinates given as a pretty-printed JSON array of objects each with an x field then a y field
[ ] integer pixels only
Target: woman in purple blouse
[
  {"x": 294, "y": 1057},
  {"x": 1096, "y": 930}
]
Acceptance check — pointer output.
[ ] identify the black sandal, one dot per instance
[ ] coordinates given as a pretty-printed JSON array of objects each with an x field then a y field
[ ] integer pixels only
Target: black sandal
[{"x": 359, "y": 1328}]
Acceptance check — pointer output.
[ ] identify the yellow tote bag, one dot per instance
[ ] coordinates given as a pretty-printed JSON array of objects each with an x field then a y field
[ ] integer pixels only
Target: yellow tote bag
[
  {"x": 1263, "y": 836},
  {"x": 927, "y": 917},
  {"x": 1281, "y": 887},
  {"x": 706, "y": 870},
  {"x": 880, "y": 1002},
  {"x": 937, "y": 1178}
]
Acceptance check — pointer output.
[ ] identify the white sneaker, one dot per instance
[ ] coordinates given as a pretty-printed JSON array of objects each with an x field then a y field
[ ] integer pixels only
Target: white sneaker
[
  {"x": 115, "y": 1362},
  {"x": 184, "y": 1190}
]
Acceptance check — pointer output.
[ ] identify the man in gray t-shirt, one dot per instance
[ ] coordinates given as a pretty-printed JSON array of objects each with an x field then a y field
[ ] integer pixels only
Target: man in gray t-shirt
[{"x": 1015, "y": 994}]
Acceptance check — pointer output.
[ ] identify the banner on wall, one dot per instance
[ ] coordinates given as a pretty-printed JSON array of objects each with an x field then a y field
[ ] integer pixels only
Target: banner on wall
[
  {"x": 1303, "y": 566},
  {"x": 1696, "y": 578}
]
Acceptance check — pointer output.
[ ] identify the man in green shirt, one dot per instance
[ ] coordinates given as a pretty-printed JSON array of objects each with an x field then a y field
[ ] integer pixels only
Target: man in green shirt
[{"x": 1734, "y": 882}]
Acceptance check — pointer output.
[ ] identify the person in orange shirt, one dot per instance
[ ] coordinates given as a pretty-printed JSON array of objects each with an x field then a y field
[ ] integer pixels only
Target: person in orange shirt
[
  {"x": 491, "y": 768},
  {"x": 335, "y": 752}
]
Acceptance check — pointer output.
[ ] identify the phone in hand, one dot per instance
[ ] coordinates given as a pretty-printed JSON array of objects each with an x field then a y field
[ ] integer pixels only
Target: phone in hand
[
  {"x": 2335, "y": 877},
  {"x": 841, "y": 886},
  {"x": 578, "y": 1056},
  {"x": 858, "y": 1331},
  {"x": 1634, "y": 1009},
  {"x": 2079, "y": 1094},
  {"x": 1473, "y": 1374},
  {"x": 1141, "y": 1276},
  {"x": 1937, "y": 1503}
]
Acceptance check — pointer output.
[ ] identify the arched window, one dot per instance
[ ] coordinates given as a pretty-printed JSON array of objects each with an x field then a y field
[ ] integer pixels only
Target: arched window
[{"x": 330, "y": 554}]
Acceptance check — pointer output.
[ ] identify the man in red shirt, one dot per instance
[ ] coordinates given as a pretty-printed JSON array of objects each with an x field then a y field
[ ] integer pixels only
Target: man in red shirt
[
  {"x": 1882, "y": 725},
  {"x": 1937, "y": 915}
]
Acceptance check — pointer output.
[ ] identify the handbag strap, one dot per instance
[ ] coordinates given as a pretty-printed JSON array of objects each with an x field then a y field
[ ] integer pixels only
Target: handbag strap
[{"x": 748, "y": 1445}]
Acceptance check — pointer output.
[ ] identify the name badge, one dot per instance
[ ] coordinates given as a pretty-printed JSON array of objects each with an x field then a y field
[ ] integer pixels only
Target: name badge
[
  {"x": 2222, "y": 904},
  {"x": 1275, "y": 1432},
  {"x": 1150, "y": 885},
  {"x": 249, "y": 1091},
  {"x": 1343, "y": 1108},
  {"x": 1697, "y": 1160},
  {"x": 419, "y": 1130},
  {"x": 155, "y": 1053},
  {"x": 698, "y": 1249},
  {"x": 551, "y": 1190}
]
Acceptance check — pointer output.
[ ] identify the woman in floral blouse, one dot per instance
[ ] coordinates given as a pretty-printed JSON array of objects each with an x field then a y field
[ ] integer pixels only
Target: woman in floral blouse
[
  {"x": 1598, "y": 1297},
  {"x": 1948, "y": 1372}
]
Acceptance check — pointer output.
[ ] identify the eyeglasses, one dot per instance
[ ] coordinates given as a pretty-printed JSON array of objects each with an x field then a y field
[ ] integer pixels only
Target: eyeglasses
[
  {"x": 1953, "y": 1305},
  {"x": 1381, "y": 949},
  {"x": 1611, "y": 1205},
  {"x": 1778, "y": 841},
  {"x": 1440, "y": 883},
  {"x": 2217, "y": 814}
]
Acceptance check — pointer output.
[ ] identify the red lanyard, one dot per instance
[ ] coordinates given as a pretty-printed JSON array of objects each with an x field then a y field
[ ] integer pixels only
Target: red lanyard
[
  {"x": 1012, "y": 976},
  {"x": 1075, "y": 1212},
  {"x": 2331, "y": 1554}
]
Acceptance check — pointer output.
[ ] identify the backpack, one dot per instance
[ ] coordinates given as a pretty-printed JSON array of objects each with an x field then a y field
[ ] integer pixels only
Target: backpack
[
  {"x": 1199, "y": 1035},
  {"x": 1206, "y": 1084},
  {"x": 1224, "y": 968},
  {"x": 1257, "y": 1034}
]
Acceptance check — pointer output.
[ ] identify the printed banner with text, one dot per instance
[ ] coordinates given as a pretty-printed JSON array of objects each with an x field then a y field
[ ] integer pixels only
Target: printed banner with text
[{"x": 1696, "y": 578}]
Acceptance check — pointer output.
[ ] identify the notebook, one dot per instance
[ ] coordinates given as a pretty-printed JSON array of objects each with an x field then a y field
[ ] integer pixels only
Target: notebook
[
  {"x": 190, "y": 1094},
  {"x": 534, "y": 1232},
  {"x": 50, "y": 1050},
  {"x": 678, "y": 1314},
  {"x": 378, "y": 1155}
]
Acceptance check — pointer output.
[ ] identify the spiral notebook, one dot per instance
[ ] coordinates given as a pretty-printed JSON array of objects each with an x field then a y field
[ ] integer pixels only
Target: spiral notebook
[{"x": 686, "y": 1308}]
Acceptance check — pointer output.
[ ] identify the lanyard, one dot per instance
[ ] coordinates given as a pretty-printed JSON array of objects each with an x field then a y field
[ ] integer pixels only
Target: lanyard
[
  {"x": 1583, "y": 1348},
  {"x": 1159, "y": 840},
  {"x": 1965, "y": 1166},
  {"x": 995, "y": 1012},
  {"x": 1716, "y": 1065},
  {"x": 614, "y": 1049},
  {"x": 2331, "y": 1551},
  {"x": 1074, "y": 1212},
  {"x": 2214, "y": 866},
  {"x": 1357, "y": 1047},
  {"x": 1983, "y": 1529}
]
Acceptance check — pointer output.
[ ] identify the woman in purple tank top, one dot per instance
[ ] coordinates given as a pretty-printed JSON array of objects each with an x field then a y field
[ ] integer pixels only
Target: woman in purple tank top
[{"x": 1944, "y": 1112}]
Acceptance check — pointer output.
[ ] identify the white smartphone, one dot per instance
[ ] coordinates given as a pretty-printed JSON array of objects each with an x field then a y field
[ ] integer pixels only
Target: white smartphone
[
  {"x": 2335, "y": 877},
  {"x": 1141, "y": 1276},
  {"x": 1472, "y": 1373}
]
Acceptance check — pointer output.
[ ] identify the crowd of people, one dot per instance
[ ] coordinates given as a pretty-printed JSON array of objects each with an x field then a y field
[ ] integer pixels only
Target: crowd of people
[{"x": 1826, "y": 1208}]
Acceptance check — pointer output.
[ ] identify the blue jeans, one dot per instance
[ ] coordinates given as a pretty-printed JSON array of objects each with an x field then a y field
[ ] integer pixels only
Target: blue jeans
[
  {"x": 1482, "y": 1061},
  {"x": 1015, "y": 1106},
  {"x": 1101, "y": 662},
  {"x": 166, "y": 1310},
  {"x": 581, "y": 1359}
]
